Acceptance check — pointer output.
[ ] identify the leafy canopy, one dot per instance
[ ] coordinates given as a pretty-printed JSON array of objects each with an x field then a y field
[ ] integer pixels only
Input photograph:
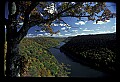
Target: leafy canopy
[{"x": 43, "y": 14}]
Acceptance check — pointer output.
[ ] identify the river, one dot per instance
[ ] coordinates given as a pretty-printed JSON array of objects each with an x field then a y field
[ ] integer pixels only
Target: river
[{"x": 77, "y": 69}]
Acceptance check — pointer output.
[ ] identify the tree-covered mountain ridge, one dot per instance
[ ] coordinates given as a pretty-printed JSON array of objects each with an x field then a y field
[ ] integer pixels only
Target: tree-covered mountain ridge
[
  {"x": 37, "y": 61},
  {"x": 97, "y": 51}
]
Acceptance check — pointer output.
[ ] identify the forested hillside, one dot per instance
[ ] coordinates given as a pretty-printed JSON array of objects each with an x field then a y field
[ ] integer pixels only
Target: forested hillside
[
  {"x": 96, "y": 51},
  {"x": 37, "y": 61}
]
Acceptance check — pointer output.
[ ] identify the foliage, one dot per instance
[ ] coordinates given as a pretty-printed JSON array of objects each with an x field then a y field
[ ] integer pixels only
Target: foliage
[
  {"x": 95, "y": 50},
  {"x": 37, "y": 61},
  {"x": 33, "y": 13},
  {"x": 47, "y": 42}
]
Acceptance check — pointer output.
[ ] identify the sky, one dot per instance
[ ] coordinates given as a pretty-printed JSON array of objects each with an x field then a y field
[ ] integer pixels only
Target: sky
[{"x": 77, "y": 27}]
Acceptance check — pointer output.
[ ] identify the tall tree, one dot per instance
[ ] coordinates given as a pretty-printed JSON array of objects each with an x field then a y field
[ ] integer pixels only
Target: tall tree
[{"x": 43, "y": 14}]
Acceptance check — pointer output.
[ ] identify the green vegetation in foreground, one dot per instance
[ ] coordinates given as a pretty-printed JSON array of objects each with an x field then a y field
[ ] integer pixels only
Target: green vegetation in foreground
[{"x": 37, "y": 61}]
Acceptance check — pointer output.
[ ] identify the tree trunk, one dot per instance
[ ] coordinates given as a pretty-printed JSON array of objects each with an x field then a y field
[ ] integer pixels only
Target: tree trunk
[
  {"x": 13, "y": 63},
  {"x": 13, "y": 58},
  {"x": 12, "y": 55}
]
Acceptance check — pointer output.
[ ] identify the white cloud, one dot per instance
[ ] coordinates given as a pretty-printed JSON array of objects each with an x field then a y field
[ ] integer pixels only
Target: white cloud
[
  {"x": 80, "y": 28},
  {"x": 63, "y": 28},
  {"x": 82, "y": 34},
  {"x": 39, "y": 34},
  {"x": 53, "y": 24},
  {"x": 81, "y": 23},
  {"x": 62, "y": 24},
  {"x": 61, "y": 35},
  {"x": 30, "y": 34},
  {"x": 101, "y": 22},
  {"x": 69, "y": 27},
  {"x": 88, "y": 30},
  {"x": 21, "y": 23},
  {"x": 47, "y": 34},
  {"x": 67, "y": 34},
  {"x": 65, "y": 31},
  {"x": 54, "y": 35},
  {"x": 98, "y": 27},
  {"x": 115, "y": 23},
  {"x": 76, "y": 31},
  {"x": 105, "y": 31},
  {"x": 102, "y": 32},
  {"x": 51, "y": 9},
  {"x": 42, "y": 31},
  {"x": 57, "y": 35},
  {"x": 77, "y": 23}
]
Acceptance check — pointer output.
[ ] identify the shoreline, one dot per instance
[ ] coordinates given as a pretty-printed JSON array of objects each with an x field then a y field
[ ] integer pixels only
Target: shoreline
[{"x": 86, "y": 62}]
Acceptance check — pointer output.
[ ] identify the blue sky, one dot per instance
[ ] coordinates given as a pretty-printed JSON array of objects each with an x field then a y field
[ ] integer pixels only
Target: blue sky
[{"x": 79, "y": 27}]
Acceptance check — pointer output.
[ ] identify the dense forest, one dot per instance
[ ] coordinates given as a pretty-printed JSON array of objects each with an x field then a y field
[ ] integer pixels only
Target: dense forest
[
  {"x": 37, "y": 61},
  {"x": 96, "y": 51}
]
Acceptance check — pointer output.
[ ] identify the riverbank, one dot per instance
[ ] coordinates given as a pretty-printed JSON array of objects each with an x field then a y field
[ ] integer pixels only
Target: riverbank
[
  {"x": 77, "y": 69},
  {"x": 89, "y": 63},
  {"x": 94, "y": 51}
]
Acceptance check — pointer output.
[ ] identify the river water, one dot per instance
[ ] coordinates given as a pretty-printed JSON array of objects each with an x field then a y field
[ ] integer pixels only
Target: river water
[{"x": 77, "y": 69}]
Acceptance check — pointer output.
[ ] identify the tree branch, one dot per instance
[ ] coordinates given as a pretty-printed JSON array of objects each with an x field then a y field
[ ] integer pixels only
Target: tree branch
[
  {"x": 57, "y": 15},
  {"x": 26, "y": 26},
  {"x": 64, "y": 22},
  {"x": 44, "y": 21},
  {"x": 69, "y": 8},
  {"x": 23, "y": 31},
  {"x": 48, "y": 21}
]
